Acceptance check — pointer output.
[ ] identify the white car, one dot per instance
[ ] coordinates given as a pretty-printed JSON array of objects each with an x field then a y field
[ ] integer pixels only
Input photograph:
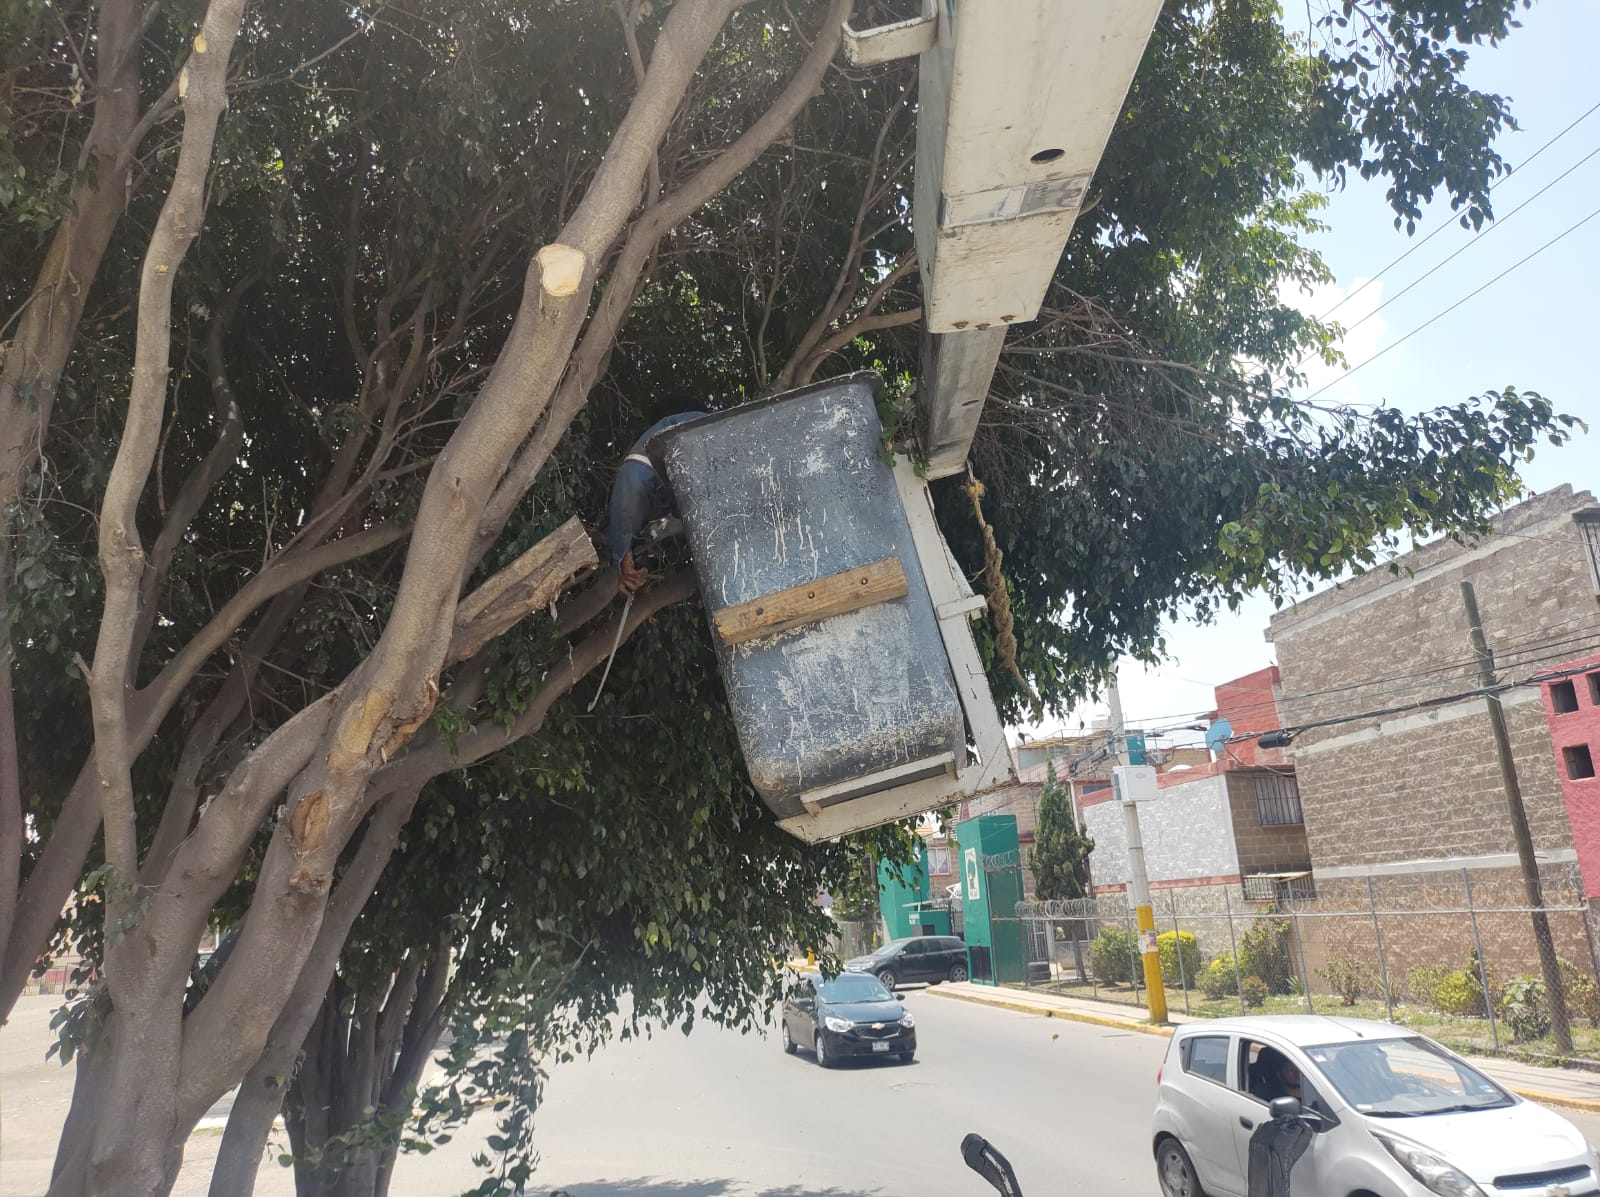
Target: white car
[{"x": 1395, "y": 1115}]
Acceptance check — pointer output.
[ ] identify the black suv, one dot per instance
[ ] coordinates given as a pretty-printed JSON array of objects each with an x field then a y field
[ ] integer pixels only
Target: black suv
[{"x": 930, "y": 958}]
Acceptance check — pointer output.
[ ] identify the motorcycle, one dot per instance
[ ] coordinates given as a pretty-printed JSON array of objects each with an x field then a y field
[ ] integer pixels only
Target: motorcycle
[{"x": 1277, "y": 1143}]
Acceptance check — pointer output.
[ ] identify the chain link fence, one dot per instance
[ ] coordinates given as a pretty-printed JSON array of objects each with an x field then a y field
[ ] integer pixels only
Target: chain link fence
[{"x": 1452, "y": 955}]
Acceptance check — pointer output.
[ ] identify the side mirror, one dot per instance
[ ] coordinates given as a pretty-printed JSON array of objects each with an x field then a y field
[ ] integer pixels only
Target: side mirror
[{"x": 1284, "y": 1108}]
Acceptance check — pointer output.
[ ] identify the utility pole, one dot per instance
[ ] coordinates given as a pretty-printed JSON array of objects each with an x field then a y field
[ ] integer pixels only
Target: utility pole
[
  {"x": 1138, "y": 879},
  {"x": 1555, "y": 989}
]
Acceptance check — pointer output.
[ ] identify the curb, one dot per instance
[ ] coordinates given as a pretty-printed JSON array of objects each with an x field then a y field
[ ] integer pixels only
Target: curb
[
  {"x": 1560, "y": 1101},
  {"x": 1098, "y": 1020}
]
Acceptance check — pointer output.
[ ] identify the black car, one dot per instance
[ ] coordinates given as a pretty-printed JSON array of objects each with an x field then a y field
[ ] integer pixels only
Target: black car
[
  {"x": 930, "y": 958},
  {"x": 851, "y": 1015}
]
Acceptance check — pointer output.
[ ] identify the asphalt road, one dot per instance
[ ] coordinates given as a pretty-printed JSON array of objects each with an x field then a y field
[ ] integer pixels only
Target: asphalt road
[{"x": 716, "y": 1114}]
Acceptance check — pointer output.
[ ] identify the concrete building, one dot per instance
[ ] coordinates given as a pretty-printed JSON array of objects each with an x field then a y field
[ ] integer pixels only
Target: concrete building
[
  {"x": 1401, "y": 793},
  {"x": 1233, "y": 822}
]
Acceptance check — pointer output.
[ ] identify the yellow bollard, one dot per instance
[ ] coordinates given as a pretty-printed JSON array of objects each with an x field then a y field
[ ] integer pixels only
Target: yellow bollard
[{"x": 811, "y": 957}]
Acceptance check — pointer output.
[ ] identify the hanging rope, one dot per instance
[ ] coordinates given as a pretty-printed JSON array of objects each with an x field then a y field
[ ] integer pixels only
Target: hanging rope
[{"x": 999, "y": 598}]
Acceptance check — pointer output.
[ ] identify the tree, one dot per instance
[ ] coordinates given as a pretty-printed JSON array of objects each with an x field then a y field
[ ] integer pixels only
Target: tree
[
  {"x": 1059, "y": 857},
  {"x": 281, "y": 533}
]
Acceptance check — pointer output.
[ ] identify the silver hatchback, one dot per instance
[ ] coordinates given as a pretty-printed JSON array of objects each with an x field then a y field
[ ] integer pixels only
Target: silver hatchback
[{"x": 1396, "y": 1115}]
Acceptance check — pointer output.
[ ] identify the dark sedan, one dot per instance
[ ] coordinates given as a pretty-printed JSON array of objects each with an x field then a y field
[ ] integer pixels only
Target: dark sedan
[{"x": 851, "y": 1015}]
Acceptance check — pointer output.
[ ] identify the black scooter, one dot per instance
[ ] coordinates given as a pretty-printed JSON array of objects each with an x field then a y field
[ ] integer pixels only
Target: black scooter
[{"x": 1277, "y": 1144}]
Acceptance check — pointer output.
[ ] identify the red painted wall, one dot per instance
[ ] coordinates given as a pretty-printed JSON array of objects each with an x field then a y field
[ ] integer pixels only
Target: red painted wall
[
  {"x": 1569, "y": 730},
  {"x": 1250, "y": 704}
]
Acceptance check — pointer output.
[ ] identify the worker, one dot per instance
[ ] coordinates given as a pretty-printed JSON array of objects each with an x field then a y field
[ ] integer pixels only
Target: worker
[{"x": 638, "y": 495}]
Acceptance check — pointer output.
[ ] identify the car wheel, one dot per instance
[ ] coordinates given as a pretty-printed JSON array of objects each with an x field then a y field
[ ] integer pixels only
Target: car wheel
[
  {"x": 788, "y": 1039},
  {"x": 958, "y": 972},
  {"x": 821, "y": 1048},
  {"x": 1175, "y": 1171},
  {"x": 886, "y": 975}
]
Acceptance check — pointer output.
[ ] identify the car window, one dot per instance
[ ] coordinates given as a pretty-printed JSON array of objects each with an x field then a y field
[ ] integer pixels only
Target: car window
[
  {"x": 1403, "y": 1078},
  {"x": 951, "y": 944},
  {"x": 854, "y": 987},
  {"x": 916, "y": 947},
  {"x": 1266, "y": 1073},
  {"x": 1207, "y": 1056}
]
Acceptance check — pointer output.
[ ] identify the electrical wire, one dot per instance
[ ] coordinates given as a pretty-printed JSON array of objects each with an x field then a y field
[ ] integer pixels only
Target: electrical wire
[
  {"x": 1470, "y": 295},
  {"x": 1505, "y": 178}
]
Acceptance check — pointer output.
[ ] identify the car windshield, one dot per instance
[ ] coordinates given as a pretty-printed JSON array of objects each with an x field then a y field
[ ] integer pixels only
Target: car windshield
[
  {"x": 854, "y": 987},
  {"x": 1404, "y": 1078},
  {"x": 894, "y": 945}
]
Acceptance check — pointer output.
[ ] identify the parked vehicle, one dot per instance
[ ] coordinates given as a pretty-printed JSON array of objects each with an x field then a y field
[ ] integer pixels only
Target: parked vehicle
[
  {"x": 851, "y": 1015},
  {"x": 929, "y": 958},
  {"x": 1393, "y": 1113}
]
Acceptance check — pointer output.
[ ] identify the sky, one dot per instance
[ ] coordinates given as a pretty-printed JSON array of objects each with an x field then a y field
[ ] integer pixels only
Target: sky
[{"x": 1534, "y": 329}]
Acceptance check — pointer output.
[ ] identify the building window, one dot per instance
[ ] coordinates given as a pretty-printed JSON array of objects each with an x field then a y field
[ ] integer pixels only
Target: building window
[
  {"x": 938, "y": 862},
  {"x": 1594, "y": 688},
  {"x": 1278, "y": 800},
  {"x": 1580, "y": 762},
  {"x": 1564, "y": 697},
  {"x": 1589, "y": 529}
]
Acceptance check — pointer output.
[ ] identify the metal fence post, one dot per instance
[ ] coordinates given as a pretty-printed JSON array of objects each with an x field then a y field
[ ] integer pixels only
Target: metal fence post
[
  {"x": 1305, "y": 970},
  {"x": 1177, "y": 947},
  {"x": 1377, "y": 935},
  {"x": 1233, "y": 942},
  {"x": 1483, "y": 969}
]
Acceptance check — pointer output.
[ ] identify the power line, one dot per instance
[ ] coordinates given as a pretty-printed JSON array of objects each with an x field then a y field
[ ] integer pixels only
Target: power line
[
  {"x": 1477, "y": 238},
  {"x": 1585, "y": 116},
  {"x": 1471, "y": 295}
]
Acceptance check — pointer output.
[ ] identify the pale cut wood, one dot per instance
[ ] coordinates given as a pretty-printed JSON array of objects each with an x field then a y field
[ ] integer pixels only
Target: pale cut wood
[{"x": 836, "y": 594}]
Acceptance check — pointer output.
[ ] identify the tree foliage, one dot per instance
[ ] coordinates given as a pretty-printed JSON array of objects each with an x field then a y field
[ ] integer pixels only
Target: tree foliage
[
  {"x": 1060, "y": 854},
  {"x": 285, "y": 402}
]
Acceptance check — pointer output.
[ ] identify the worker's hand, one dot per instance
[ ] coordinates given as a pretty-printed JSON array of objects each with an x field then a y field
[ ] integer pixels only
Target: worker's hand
[{"x": 629, "y": 576}]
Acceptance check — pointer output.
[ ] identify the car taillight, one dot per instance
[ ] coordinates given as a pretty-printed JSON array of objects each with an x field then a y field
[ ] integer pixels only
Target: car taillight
[{"x": 1159, "y": 1071}]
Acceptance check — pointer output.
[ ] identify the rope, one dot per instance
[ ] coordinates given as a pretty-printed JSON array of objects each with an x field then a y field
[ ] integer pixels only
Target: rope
[{"x": 999, "y": 598}]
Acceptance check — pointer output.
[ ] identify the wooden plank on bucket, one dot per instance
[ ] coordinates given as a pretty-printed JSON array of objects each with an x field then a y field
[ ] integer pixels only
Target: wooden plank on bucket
[{"x": 837, "y": 594}]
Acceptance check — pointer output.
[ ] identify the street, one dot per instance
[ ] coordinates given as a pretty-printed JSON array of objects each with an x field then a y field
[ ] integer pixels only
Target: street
[{"x": 716, "y": 1113}]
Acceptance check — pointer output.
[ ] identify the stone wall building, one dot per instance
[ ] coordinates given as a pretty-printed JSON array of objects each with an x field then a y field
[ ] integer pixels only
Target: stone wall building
[{"x": 1402, "y": 797}]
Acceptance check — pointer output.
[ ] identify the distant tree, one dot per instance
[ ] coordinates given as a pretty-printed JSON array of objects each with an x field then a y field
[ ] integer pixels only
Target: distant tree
[{"x": 1060, "y": 854}]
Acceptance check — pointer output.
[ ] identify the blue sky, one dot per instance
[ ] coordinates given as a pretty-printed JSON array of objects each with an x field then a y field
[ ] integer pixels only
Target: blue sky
[{"x": 1535, "y": 329}]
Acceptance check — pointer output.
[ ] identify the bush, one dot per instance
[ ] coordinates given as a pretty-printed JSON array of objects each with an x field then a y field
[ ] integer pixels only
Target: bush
[
  {"x": 1264, "y": 954},
  {"x": 1461, "y": 993},
  {"x": 1423, "y": 982},
  {"x": 1254, "y": 991},
  {"x": 1115, "y": 955},
  {"x": 1175, "y": 948},
  {"x": 1525, "y": 1009},
  {"x": 1583, "y": 995},
  {"x": 1348, "y": 979},
  {"x": 1219, "y": 978}
]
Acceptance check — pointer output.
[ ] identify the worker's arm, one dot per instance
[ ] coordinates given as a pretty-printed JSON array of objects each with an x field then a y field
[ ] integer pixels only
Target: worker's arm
[{"x": 632, "y": 496}]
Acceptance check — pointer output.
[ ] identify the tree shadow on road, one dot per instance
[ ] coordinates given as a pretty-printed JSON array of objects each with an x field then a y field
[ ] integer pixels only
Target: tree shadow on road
[{"x": 650, "y": 1186}]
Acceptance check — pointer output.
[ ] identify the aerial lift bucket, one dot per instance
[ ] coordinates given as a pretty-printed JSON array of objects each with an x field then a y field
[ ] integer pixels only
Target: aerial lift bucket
[{"x": 838, "y": 614}]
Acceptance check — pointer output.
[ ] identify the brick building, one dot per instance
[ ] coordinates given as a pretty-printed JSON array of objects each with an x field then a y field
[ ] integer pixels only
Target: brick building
[
  {"x": 1407, "y": 804},
  {"x": 1234, "y": 822}
]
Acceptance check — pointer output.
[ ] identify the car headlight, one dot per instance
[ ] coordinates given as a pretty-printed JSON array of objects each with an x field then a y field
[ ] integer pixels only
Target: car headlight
[
  {"x": 840, "y": 1025},
  {"x": 906, "y": 1020},
  {"x": 1433, "y": 1173}
]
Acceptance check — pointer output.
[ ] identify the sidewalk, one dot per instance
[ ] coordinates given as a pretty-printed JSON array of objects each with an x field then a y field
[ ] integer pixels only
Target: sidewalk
[{"x": 1571, "y": 1088}]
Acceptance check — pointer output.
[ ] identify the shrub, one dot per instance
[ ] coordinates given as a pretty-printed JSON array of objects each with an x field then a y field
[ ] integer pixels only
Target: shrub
[
  {"x": 1461, "y": 993},
  {"x": 1115, "y": 955},
  {"x": 1264, "y": 954},
  {"x": 1219, "y": 978},
  {"x": 1583, "y": 995},
  {"x": 1348, "y": 979},
  {"x": 1423, "y": 982},
  {"x": 1525, "y": 1009},
  {"x": 1175, "y": 948},
  {"x": 1254, "y": 991}
]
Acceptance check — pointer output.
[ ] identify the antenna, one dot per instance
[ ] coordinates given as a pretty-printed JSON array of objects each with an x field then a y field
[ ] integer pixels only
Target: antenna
[{"x": 1218, "y": 734}]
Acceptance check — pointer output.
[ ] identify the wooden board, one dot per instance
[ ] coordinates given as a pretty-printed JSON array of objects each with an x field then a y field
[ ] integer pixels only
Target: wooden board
[{"x": 836, "y": 594}]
